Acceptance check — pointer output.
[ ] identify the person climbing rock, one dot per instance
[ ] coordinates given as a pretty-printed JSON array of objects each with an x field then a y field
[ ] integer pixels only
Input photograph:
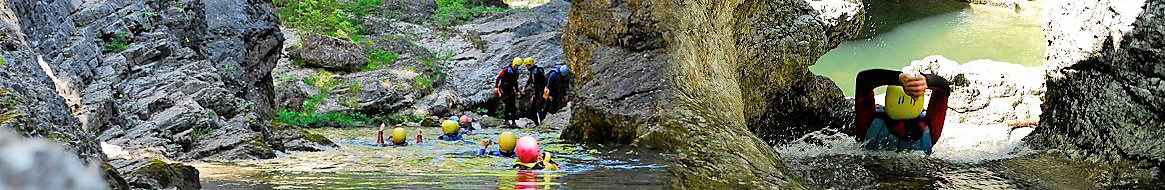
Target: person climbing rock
[
  {"x": 901, "y": 125},
  {"x": 530, "y": 156},
  {"x": 557, "y": 86},
  {"x": 506, "y": 88},
  {"x": 451, "y": 132},
  {"x": 535, "y": 87}
]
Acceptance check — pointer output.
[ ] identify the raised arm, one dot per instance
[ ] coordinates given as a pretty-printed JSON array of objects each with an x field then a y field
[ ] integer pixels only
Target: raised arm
[
  {"x": 864, "y": 97},
  {"x": 936, "y": 112}
]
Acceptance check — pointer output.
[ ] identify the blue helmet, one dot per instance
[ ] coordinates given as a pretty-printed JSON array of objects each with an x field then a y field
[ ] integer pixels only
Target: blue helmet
[{"x": 454, "y": 118}]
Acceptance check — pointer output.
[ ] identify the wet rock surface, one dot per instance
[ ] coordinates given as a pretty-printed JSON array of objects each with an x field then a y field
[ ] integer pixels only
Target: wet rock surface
[
  {"x": 986, "y": 92},
  {"x": 147, "y": 173},
  {"x": 1104, "y": 97},
  {"x": 669, "y": 76}
]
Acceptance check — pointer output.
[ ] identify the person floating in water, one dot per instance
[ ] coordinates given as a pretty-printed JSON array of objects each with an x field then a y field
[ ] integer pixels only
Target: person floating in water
[
  {"x": 506, "y": 143},
  {"x": 506, "y": 88},
  {"x": 466, "y": 123},
  {"x": 451, "y": 131},
  {"x": 530, "y": 156},
  {"x": 902, "y": 125},
  {"x": 398, "y": 136}
]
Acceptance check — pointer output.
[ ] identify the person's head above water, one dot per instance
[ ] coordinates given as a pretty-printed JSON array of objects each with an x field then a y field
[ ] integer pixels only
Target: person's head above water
[
  {"x": 398, "y": 135},
  {"x": 464, "y": 120},
  {"x": 528, "y": 150},
  {"x": 506, "y": 142},
  {"x": 901, "y": 106},
  {"x": 449, "y": 127}
]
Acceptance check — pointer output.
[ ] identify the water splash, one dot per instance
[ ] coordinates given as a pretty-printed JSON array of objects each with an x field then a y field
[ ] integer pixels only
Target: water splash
[{"x": 959, "y": 143}]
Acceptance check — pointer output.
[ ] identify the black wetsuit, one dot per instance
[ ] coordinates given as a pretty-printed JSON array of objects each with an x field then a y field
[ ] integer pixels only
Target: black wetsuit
[
  {"x": 507, "y": 83},
  {"x": 534, "y": 87},
  {"x": 558, "y": 80}
]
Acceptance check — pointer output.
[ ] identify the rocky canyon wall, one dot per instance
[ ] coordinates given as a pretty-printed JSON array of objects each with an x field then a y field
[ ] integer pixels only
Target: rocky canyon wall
[
  {"x": 709, "y": 82},
  {"x": 1105, "y": 94}
]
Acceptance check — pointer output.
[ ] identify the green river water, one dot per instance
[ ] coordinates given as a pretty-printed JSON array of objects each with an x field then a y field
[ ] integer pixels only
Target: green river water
[{"x": 902, "y": 32}]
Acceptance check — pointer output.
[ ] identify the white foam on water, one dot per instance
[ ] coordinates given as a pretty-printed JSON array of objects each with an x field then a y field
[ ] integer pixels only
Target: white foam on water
[{"x": 959, "y": 143}]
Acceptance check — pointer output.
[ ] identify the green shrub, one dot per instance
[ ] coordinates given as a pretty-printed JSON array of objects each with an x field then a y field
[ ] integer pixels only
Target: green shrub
[
  {"x": 378, "y": 59},
  {"x": 201, "y": 131},
  {"x": 118, "y": 43},
  {"x": 454, "y": 12},
  {"x": 311, "y": 119},
  {"x": 327, "y": 17},
  {"x": 431, "y": 71}
]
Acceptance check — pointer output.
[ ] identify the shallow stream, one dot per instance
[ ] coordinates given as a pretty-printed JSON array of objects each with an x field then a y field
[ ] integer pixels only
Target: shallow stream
[{"x": 436, "y": 164}]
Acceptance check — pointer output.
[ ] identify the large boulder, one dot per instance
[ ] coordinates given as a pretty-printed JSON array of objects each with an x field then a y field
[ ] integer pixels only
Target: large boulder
[
  {"x": 148, "y": 173},
  {"x": 700, "y": 79},
  {"x": 183, "y": 79},
  {"x": 328, "y": 52},
  {"x": 986, "y": 92},
  {"x": 1105, "y": 96}
]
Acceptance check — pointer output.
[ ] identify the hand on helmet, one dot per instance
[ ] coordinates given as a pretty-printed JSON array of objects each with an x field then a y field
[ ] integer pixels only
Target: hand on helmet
[{"x": 913, "y": 84}]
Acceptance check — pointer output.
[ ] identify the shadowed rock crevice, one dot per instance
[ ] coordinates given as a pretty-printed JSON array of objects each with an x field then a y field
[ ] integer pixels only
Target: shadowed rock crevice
[
  {"x": 703, "y": 79},
  {"x": 1105, "y": 95}
]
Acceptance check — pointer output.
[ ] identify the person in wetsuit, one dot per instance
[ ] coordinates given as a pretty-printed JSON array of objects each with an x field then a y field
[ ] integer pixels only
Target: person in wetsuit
[
  {"x": 901, "y": 126},
  {"x": 557, "y": 85},
  {"x": 506, "y": 88},
  {"x": 535, "y": 87}
]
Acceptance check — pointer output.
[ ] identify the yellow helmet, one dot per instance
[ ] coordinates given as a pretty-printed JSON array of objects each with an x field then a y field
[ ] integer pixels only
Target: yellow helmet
[
  {"x": 398, "y": 135},
  {"x": 517, "y": 62},
  {"x": 529, "y": 61},
  {"x": 449, "y": 127},
  {"x": 507, "y": 141},
  {"x": 901, "y": 106}
]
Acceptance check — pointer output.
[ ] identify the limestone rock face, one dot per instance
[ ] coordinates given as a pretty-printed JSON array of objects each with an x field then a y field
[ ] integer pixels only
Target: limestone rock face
[
  {"x": 986, "y": 92},
  {"x": 328, "y": 52},
  {"x": 182, "y": 79},
  {"x": 1106, "y": 96},
  {"x": 703, "y": 80}
]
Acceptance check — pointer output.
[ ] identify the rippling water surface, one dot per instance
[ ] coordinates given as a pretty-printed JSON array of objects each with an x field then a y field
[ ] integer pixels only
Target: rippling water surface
[{"x": 357, "y": 164}]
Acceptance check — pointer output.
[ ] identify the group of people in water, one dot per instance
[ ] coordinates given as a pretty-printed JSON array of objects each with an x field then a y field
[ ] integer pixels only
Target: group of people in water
[
  {"x": 545, "y": 91},
  {"x": 525, "y": 149}
]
